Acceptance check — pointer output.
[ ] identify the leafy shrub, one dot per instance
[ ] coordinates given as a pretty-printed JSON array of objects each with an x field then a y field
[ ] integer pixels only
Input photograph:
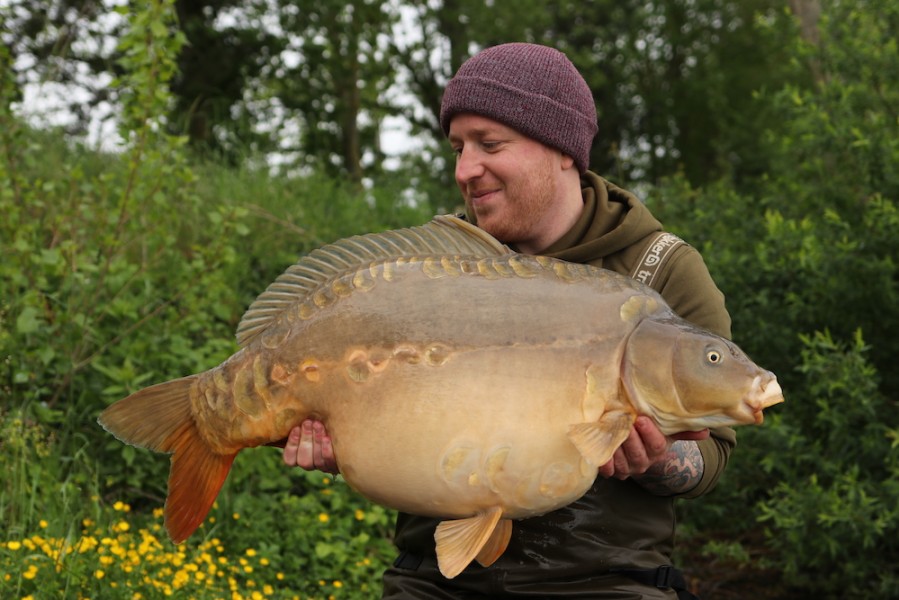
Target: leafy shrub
[{"x": 808, "y": 265}]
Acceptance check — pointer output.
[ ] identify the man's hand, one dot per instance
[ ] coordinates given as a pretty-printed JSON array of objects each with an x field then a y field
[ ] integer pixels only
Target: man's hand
[
  {"x": 662, "y": 464},
  {"x": 309, "y": 447}
]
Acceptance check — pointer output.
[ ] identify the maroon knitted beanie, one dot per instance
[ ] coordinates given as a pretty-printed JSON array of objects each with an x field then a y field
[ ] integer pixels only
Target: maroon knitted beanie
[{"x": 533, "y": 89}]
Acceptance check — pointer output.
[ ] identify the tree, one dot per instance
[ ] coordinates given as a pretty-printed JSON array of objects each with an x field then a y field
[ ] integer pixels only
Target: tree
[
  {"x": 333, "y": 73},
  {"x": 226, "y": 50}
]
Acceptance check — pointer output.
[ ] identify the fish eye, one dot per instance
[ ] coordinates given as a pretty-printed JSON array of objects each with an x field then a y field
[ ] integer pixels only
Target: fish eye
[{"x": 713, "y": 356}]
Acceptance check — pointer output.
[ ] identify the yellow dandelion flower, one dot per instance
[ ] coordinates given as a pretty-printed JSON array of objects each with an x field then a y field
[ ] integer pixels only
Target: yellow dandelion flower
[
  {"x": 264, "y": 561},
  {"x": 235, "y": 516},
  {"x": 256, "y": 596},
  {"x": 248, "y": 569},
  {"x": 42, "y": 524},
  {"x": 158, "y": 512},
  {"x": 212, "y": 519},
  {"x": 279, "y": 576},
  {"x": 251, "y": 552},
  {"x": 30, "y": 572},
  {"x": 321, "y": 582},
  {"x": 323, "y": 517},
  {"x": 87, "y": 544},
  {"x": 337, "y": 584},
  {"x": 99, "y": 574},
  {"x": 28, "y": 597},
  {"x": 268, "y": 590},
  {"x": 326, "y": 480},
  {"x": 360, "y": 514},
  {"x": 14, "y": 545},
  {"x": 87, "y": 522},
  {"x": 106, "y": 560},
  {"x": 122, "y": 526}
]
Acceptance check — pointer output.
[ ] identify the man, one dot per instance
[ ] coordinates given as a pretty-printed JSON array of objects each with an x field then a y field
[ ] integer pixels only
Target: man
[{"x": 521, "y": 121}]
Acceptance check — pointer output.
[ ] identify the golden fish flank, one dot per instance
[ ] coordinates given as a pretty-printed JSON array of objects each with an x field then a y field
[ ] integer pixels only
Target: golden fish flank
[{"x": 454, "y": 405}]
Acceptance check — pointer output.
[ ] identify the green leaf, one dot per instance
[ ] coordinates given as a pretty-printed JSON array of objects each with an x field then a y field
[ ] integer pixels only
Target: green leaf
[{"x": 28, "y": 320}]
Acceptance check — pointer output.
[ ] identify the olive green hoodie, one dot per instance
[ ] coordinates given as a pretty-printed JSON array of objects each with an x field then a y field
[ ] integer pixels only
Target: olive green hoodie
[{"x": 617, "y": 524}]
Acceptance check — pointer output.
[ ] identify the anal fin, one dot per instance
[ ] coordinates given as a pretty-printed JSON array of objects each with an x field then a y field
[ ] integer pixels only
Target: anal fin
[
  {"x": 598, "y": 441},
  {"x": 460, "y": 541},
  {"x": 497, "y": 544}
]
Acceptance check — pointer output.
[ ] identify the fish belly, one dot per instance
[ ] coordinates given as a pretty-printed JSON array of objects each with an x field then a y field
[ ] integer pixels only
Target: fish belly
[{"x": 486, "y": 427}]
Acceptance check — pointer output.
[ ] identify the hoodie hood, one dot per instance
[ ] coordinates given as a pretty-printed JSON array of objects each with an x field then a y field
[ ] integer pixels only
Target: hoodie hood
[{"x": 613, "y": 220}]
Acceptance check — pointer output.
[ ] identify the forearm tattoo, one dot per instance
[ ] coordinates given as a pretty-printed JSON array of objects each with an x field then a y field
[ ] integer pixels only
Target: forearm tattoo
[{"x": 679, "y": 472}]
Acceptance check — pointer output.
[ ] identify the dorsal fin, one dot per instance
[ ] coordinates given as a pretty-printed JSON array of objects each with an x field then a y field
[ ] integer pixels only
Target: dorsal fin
[{"x": 445, "y": 234}]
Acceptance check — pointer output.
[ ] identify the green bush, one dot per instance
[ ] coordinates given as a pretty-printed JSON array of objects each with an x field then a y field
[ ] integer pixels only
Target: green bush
[{"x": 807, "y": 262}]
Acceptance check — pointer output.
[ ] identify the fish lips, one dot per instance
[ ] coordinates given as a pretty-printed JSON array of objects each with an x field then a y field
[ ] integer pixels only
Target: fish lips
[{"x": 764, "y": 392}]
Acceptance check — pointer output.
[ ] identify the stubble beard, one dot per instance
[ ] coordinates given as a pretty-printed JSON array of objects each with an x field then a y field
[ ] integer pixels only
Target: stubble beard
[{"x": 528, "y": 202}]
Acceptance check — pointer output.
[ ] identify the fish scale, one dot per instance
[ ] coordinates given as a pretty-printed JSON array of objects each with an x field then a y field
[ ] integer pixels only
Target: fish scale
[{"x": 457, "y": 380}]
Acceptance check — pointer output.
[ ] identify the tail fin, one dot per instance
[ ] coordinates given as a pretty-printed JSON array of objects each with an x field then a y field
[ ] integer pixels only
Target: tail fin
[{"x": 159, "y": 418}]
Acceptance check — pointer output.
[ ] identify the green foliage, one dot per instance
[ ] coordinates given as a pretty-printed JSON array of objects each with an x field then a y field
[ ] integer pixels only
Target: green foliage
[
  {"x": 833, "y": 513},
  {"x": 318, "y": 531},
  {"x": 126, "y": 269},
  {"x": 807, "y": 261}
]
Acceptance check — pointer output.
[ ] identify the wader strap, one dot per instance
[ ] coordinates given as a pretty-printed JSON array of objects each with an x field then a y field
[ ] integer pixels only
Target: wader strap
[
  {"x": 665, "y": 576},
  {"x": 659, "y": 248}
]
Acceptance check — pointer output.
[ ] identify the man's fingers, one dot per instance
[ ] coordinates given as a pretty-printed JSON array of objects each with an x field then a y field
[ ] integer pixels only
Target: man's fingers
[
  {"x": 290, "y": 448},
  {"x": 306, "y": 449},
  {"x": 318, "y": 438},
  {"x": 654, "y": 443}
]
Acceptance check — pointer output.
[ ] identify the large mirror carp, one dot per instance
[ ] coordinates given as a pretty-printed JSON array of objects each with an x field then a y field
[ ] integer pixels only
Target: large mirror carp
[{"x": 457, "y": 379}]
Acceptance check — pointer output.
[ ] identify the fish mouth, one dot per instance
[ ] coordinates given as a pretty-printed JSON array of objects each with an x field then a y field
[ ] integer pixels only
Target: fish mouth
[{"x": 764, "y": 392}]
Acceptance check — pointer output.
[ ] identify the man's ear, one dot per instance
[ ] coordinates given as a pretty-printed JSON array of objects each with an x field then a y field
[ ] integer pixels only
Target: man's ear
[{"x": 567, "y": 162}]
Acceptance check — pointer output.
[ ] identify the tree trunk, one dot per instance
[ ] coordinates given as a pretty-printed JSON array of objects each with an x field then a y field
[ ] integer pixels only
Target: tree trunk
[{"x": 809, "y": 13}]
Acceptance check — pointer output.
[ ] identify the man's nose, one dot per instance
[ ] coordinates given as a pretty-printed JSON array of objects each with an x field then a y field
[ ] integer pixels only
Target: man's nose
[{"x": 468, "y": 166}]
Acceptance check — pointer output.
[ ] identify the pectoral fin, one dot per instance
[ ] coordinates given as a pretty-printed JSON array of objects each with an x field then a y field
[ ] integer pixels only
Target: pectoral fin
[
  {"x": 462, "y": 540},
  {"x": 598, "y": 441}
]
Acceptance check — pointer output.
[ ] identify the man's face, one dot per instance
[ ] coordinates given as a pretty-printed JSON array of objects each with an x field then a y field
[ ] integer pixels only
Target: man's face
[{"x": 509, "y": 181}]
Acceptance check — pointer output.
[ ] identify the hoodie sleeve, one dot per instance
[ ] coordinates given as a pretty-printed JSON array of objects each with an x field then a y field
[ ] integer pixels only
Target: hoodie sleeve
[{"x": 689, "y": 289}]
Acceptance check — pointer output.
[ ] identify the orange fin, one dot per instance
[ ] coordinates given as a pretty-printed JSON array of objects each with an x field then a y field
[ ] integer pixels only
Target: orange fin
[
  {"x": 149, "y": 417},
  {"x": 195, "y": 479},
  {"x": 497, "y": 543},
  {"x": 598, "y": 441},
  {"x": 461, "y": 540},
  {"x": 159, "y": 418}
]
